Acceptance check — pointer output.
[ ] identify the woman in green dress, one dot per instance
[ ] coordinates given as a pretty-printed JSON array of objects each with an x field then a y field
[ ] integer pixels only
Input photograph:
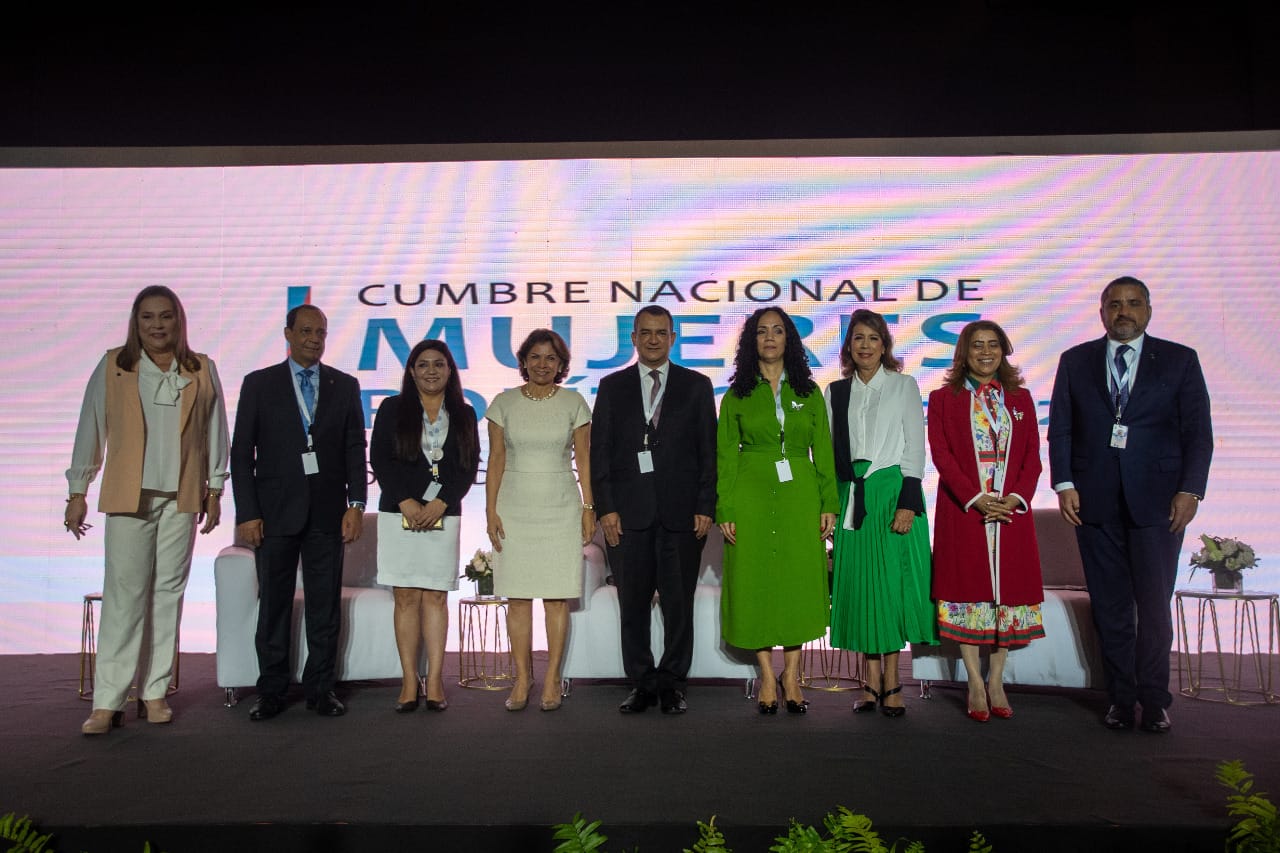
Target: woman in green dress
[{"x": 776, "y": 503}]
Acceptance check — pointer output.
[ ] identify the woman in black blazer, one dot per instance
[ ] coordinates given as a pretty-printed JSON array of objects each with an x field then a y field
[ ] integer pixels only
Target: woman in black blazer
[{"x": 425, "y": 454}]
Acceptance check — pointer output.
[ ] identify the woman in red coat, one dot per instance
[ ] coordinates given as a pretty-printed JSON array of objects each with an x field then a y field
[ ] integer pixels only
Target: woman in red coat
[{"x": 985, "y": 443}]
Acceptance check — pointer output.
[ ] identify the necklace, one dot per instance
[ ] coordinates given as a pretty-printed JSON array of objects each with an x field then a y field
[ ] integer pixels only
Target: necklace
[{"x": 524, "y": 389}]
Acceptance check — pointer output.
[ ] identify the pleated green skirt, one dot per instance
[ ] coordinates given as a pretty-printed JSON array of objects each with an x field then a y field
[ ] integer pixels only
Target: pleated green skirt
[{"x": 880, "y": 587}]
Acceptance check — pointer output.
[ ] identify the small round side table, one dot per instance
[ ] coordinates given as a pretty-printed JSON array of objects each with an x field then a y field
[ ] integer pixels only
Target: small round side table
[
  {"x": 484, "y": 652},
  {"x": 1245, "y": 642}
]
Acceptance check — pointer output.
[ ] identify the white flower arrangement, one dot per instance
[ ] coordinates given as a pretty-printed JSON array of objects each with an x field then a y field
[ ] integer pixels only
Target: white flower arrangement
[{"x": 1223, "y": 555}]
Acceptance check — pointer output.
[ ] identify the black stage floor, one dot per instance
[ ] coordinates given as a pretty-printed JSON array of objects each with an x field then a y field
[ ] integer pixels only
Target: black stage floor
[{"x": 480, "y": 778}]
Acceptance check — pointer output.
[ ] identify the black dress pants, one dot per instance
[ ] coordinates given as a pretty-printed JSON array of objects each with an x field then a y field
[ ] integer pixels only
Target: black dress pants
[{"x": 277, "y": 562}]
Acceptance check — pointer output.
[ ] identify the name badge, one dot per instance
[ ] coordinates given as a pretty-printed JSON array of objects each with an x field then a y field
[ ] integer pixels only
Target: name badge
[
  {"x": 310, "y": 464},
  {"x": 432, "y": 492},
  {"x": 645, "y": 460},
  {"x": 1119, "y": 436},
  {"x": 784, "y": 470}
]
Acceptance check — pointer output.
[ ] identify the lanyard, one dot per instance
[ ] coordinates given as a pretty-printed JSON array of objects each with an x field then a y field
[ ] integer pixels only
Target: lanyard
[
  {"x": 433, "y": 439},
  {"x": 651, "y": 406},
  {"x": 780, "y": 414},
  {"x": 1114, "y": 376},
  {"x": 302, "y": 404}
]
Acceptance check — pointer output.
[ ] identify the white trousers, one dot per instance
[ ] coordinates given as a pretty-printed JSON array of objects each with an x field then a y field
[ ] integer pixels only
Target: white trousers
[{"x": 147, "y": 564}]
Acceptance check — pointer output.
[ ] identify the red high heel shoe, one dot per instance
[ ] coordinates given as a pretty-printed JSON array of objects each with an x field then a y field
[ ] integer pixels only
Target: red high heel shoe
[
  {"x": 1003, "y": 713},
  {"x": 979, "y": 716}
]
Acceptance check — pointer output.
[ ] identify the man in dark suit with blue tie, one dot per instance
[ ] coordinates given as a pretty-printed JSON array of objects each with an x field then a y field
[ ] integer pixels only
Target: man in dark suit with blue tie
[
  {"x": 653, "y": 477},
  {"x": 1130, "y": 440},
  {"x": 298, "y": 471}
]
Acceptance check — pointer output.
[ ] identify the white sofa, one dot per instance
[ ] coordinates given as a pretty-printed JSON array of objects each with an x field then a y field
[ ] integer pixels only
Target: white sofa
[
  {"x": 366, "y": 646},
  {"x": 595, "y": 643},
  {"x": 1068, "y": 655}
]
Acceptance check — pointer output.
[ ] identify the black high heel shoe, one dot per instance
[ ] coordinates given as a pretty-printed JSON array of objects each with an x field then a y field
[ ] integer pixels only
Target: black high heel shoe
[
  {"x": 885, "y": 709},
  {"x": 801, "y": 707},
  {"x": 769, "y": 708},
  {"x": 866, "y": 706}
]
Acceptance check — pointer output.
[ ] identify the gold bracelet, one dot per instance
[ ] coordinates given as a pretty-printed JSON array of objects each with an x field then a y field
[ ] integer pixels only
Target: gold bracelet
[
  {"x": 73, "y": 497},
  {"x": 586, "y": 507}
]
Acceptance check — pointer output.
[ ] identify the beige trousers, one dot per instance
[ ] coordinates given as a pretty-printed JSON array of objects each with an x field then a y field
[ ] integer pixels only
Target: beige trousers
[{"x": 147, "y": 563}]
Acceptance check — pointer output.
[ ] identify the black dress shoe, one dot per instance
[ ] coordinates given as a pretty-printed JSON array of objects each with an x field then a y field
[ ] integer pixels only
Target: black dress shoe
[
  {"x": 637, "y": 700},
  {"x": 266, "y": 707},
  {"x": 1118, "y": 718},
  {"x": 407, "y": 707},
  {"x": 327, "y": 705},
  {"x": 1156, "y": 723},
  {"x": 673, "y": 701},
  {"x": 437, "y": 704}
]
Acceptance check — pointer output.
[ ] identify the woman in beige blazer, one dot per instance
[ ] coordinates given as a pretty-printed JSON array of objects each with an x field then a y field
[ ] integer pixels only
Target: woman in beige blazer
[{"x": 154, "y": 409}]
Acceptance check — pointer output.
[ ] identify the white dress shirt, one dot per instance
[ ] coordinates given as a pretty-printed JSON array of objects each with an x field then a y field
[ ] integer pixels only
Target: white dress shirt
[
  {"x": 646, "y": 386},
  {"x": 886, "y": 424}
]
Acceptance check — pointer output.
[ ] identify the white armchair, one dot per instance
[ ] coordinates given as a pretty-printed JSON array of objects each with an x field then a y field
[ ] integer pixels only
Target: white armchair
[
  {"x": 1068, "y": 655},
  {"x": 595, "y": 643},
  {"x": 366, "y": 646}
]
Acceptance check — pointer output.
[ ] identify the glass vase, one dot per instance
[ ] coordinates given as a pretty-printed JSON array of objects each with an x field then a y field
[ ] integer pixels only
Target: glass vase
[{"x": 1228, "y": 582}]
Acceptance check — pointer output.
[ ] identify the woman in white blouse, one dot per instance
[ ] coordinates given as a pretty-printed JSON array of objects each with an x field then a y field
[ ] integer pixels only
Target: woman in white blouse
[
  {"x": 155, "y": 411},
  {"x": 880, "y": 586}
]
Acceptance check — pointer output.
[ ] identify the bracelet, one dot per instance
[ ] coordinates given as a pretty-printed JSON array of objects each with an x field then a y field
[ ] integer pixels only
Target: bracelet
[
  {"x": 586, "y": 507},
  {"x": 214, "y": 493},
  {"x": 73, "y": 497}
]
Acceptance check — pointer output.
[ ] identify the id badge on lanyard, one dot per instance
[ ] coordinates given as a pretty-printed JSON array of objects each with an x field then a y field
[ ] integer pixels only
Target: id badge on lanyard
[
  {"x": 644, "y": 458},
  {"x": 310, "y": 462},
  {"x": 1119, "y": 431},
  {"x": 434, "y": 487}
]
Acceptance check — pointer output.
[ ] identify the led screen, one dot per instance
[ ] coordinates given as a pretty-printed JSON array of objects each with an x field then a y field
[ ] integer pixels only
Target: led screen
[{"x": 479, "y": 253}]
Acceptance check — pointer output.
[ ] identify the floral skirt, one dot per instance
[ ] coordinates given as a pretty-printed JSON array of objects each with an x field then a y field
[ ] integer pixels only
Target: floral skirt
[{"x": 984, "y": 623}]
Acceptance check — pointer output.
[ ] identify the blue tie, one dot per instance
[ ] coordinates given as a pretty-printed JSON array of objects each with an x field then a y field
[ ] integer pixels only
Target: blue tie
[
  {"x": 1122, "y": 367},
  {"x": 308, "y": 392}
]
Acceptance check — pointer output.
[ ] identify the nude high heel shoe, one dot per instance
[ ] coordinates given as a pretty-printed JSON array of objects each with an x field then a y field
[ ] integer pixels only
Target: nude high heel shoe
[
  {"x": 154, "y": 711},
  {"x": 102, "y": 721}
]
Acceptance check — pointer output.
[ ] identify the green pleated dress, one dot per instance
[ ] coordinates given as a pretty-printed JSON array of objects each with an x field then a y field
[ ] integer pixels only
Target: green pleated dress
[{"x": 880, "y": 590}]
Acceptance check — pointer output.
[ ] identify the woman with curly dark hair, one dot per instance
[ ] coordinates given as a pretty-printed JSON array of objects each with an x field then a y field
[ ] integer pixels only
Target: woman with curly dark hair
[
  {"x": 776, "y": 503},
  {"x": 425, "y": 453}
]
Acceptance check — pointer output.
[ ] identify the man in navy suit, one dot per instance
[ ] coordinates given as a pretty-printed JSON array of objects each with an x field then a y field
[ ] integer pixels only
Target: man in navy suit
[
  {"x": 298, "y": 471},
  {"x": 1130, "y": 441},
  {"x": 653, "y": 477}
]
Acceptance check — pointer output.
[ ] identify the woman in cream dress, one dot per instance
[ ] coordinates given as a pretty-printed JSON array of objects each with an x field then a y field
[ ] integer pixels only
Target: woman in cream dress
[{"x": 539, "y": 514}]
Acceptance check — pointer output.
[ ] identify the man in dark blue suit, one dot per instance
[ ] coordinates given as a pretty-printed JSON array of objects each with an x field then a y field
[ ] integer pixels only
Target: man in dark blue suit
[
  {"x": 298, "y": 471},
  {"x": 1130, "y": 440},
  {"x": 653, "y": 477}
]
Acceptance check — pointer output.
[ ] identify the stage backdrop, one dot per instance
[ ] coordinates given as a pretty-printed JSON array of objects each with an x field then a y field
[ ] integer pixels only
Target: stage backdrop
[{"x": 479, "y": 253}]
